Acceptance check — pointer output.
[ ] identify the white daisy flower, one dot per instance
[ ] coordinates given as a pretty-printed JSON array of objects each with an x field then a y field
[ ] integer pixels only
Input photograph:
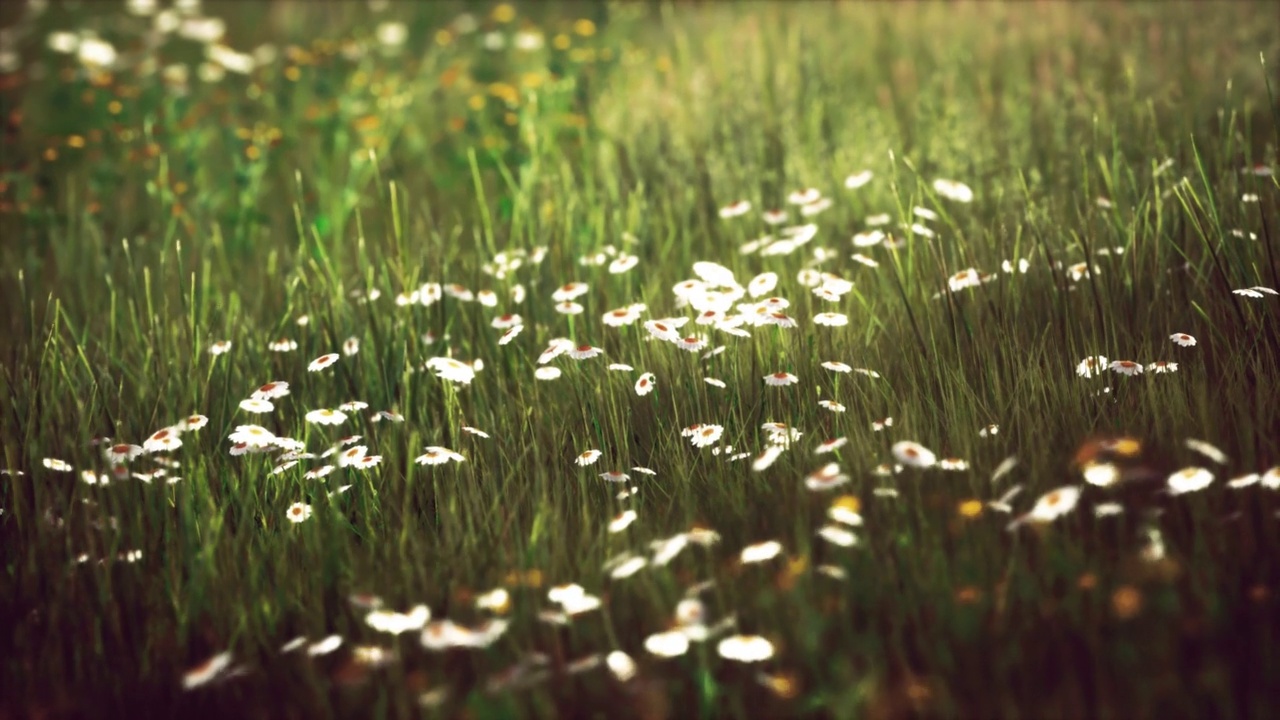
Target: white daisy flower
[
  {"x": 706, "y": 435},
  {"x": 760, "y": 552},
  {"x": 858, "y": 179},
  {"x": 570, "y": 291},
  {"x": 322, "y": 362},
  {"x": 298, "y": 512},
  {"x": 781, "y": 379},
  {"x": 588, "y": 457},
  {"x": 1182, "y": 339},
  {"x": 436, "y": 455},
  {"x": 668, "y": 644},
  {"x": 1126, "y": 367},
  {"x": 1189, "y": 479},
  {"x": 547, "y": 373},
  {"x": 257, "y": 406},
  {"x": 914, "y": 454},
  {"x": 644, "y": 385},
  {"x": 622, "y": 521},
  {"x": 164, "y": 440},
  {"x": 953, "y": 190},
  {"x": 745, "y": 648}
]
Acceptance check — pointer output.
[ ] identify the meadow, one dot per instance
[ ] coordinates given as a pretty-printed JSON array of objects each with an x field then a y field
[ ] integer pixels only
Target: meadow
[{"x": 639, "y": 359}]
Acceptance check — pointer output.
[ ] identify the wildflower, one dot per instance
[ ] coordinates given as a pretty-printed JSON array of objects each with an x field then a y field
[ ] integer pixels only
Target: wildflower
[
  {"x": 1256, "y": 291},
  {"x": 257, "y": 406},
  {"x": 858, "y": 179},
  {"x": 837, "y": 535},
  {"x": 762, "y": 284},
  {"x": 615, "y": 476},
  {"x": 456, "y": 371},
  {"x": 1207, "y": 450},
  {"x": 121, "y": 453},
  {"x": 668, "y": 644},
  {"x": 1182, "y": 339},
  {"x": 622, "y": 264},
  {"x": 745, "y": 648},
  {"x": 207, "y": 671},
  {"x": 1080, "y": 271},
  {"x": 1107, "y": 509},
  {"x": 164, "y": 440},
  {"x": 320, "y": 472},
  {"x": 868, "y": 238},
  {"x": 252, "y": 435},
  {"x": 474, "y": 431},
  {"x": 271, "y": 391},
  {"x": 351, "y": 456},
  {"x": 622, "y": 520},
  {"x": 989, "y": 431},
  {"x": 804, "y": 197},
  {"x": 760, "y": 552},
  {"x": 644, "y": 470},
  {"x": 913, "y": 454},
  {"x": 397, "y": 623},
  {"x": 1053, "y": 505},
  {"x": 487, "y": 298},
  {"x": 774, "y": 217},
  {"x": 436, "y": 455},
  {"x": 706, "y": 435},
  {"x": 631, "y": 565},
  {"x": 644, "y": 385},
  {"x": 585, "y": 352},
  {"x": 367, "y": 461},
  {"x": 1023, "y": 266},
  {"x": 953, "y": 190},
  {"x": 298, "y": 512},
  {"x": 1005, "y": 467},
  {"x": 737, "y": 209},
  {"x": 620, "y": 665},
  {"x": 1189, "y": 479},
  {"x": 881, "y": 424},
  {"x": 815, "y": 207},
  {"x": 569, "y": 307},
  {"x": 569, "y": 291},
  {"x": 781, "y": 379},
  {"x": 767, "y": 458},
  {"x": 691, "y": 343},
  {"x": 588, "y": 458},
  {"x": 220, "y": 347},
  {"x": 964, "y": 279},
  {"x": 1161, "y": 367},
  {"x": 1100, "y": 474},
  {"x": 1126, "y": 367},
  {"x": 831, "y": 405},
  {"x": 323, "y": 361},
  {"x": 458, "y": 292},
  {"x": 1091, "y": 366},
  {"x": 325, "y": 646},
  {"x": 831, "y": 445},
  {"x": 869, "y": 373},
  {"x": 1243, "y": 481},
  {"x": 1270, "y": 479},
  {"x": 662, "y": 331},
  {"x": 283, "y": 345},
  {"x": 954, "y": 464},
  {"x": 831, "y": 319},
  {"x": 283, "y": 467},
  {"x": 351, "y": 346},
  {"x": 622, "y": 316},
  {"x": 547, "y": 373},
  {"x": 826, "y": 478},
  {"x": 713, "y": 382},
  {"x": 353, "y": 406},
  {"x": 57, "y": 465},
  {"x": 835, "y": 366}
]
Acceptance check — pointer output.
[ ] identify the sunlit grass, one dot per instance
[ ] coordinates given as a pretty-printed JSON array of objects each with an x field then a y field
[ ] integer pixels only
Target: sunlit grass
[{"x": 479, "y": 387}]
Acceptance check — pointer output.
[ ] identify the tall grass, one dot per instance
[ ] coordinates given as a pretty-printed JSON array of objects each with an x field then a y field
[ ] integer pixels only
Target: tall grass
[{"x": 145, "y": 219}]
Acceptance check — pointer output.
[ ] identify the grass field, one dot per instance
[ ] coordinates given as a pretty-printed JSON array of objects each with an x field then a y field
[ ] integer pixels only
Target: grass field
[{"x": 640, "y": 360}]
